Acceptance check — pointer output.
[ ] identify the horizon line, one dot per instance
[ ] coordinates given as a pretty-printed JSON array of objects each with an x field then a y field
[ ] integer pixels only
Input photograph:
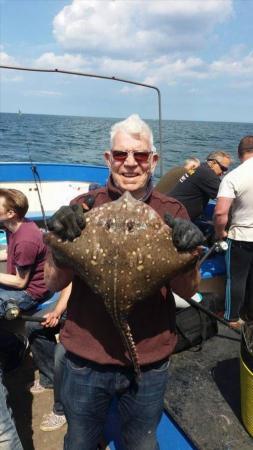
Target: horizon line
[{"x": 19, "y": 112}]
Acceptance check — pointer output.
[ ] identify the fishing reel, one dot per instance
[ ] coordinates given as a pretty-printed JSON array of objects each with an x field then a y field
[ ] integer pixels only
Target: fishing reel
[
  {"x": 217, "y": 247},
  {"x": 220, "y": 246},
  {"x": 11, "y": 310}
]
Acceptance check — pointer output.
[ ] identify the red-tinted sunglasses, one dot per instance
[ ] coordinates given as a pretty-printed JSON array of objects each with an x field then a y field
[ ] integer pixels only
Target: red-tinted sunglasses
[{"x": 140, "y": 157}]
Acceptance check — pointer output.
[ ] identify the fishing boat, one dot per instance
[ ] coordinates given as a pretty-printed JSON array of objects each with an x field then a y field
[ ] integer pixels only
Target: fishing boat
[{"x": 202, "y": 401}]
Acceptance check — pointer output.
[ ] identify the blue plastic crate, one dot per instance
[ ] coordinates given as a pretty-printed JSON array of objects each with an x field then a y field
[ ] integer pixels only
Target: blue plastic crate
[
  {"x": 3, "y": 240},
  {"x": 213, "y": 267}
]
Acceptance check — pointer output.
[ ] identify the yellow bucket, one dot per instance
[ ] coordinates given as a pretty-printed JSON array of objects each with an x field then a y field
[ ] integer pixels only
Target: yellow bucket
[{"x": 246, "y": 379}]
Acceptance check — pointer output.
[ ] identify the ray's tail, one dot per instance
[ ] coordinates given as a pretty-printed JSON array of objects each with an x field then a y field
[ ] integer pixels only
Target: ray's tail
[{"x": 130, "y": 346}]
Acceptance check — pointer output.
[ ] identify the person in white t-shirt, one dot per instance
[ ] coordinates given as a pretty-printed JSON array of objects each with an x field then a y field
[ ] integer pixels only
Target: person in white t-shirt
[{"x": 233, "y": 219}]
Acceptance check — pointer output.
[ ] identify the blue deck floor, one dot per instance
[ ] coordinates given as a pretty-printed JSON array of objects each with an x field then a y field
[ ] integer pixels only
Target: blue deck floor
[{"x": 170, "y": 437}]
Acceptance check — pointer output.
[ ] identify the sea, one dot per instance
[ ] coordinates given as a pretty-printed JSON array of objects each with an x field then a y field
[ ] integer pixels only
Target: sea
[{"x": 72, "y": 139}]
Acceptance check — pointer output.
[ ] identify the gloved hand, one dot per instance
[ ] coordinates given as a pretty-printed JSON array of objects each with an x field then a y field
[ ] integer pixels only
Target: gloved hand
[
  {"x": 69, "y": 221},
  {"x": 186, "y": 235}
]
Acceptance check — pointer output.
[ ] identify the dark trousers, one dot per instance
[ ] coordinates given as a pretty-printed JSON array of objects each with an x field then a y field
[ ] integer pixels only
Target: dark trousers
[{"x": 239, "y": 288}]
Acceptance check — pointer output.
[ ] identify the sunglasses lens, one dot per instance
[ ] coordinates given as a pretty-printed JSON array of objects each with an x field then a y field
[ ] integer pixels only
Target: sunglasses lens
[
  {"x": 120, "y": 155},
  {"x": 223, "y": 168},
  {"x": 141, "y": 156}
]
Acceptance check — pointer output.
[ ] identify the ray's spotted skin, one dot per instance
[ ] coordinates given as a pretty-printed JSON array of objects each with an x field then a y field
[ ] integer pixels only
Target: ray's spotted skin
[{"x": 125, "y": 253}]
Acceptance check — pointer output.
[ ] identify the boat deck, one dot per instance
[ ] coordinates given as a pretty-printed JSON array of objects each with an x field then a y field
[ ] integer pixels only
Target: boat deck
[{"x": 203, "y": 394}]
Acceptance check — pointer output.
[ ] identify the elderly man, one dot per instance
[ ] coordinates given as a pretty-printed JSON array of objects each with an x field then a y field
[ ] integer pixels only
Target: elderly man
[
  {"x": 195, "y": 189},
  {"x": 235, "y": 195},
  {"x": 98, "y": 367}
]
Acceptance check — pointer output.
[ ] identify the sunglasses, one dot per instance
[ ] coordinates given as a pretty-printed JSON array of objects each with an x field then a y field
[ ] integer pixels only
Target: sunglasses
[
  {"x": 140, "y": 157},
  {"x": 223, "y": 168}
]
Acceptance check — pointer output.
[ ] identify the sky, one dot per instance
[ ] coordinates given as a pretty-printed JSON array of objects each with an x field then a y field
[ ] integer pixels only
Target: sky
[{"x": 199, "y": 53}]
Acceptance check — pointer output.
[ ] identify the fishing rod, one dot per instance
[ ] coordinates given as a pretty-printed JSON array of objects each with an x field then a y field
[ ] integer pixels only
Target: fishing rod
[
  {"x": 105, "y": 77},
  {"x": 13, "y": 312},
  {"x": 36, "y": 174},
  {"x": 210, "y": 314},
  {"x": 218, "y": 247}
]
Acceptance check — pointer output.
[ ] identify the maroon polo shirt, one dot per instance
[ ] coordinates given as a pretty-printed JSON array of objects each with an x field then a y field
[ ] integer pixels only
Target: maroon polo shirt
[{"x": 26, "y": 249}]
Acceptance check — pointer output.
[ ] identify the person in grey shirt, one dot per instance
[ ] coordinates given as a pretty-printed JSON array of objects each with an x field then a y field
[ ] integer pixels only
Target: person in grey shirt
[{"x": 234, "y": 221}]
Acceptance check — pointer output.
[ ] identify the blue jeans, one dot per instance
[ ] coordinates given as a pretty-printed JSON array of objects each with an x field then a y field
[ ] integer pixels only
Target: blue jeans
[
  {"x": 42, "y": 343},
  {"x": 88, "y": 390},
  {"x": 21, "y": 298},
  {"x": 9, "y": 439},
  {"x": 59, "y": 364}
]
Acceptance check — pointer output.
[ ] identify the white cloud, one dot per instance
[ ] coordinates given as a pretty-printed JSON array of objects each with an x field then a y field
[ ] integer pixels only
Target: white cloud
[
  {"x": 161, "y": 70},
  {"x": 8, "y": 75},
  {"x": 121, "y": 66},
  {"x": 101, "y": 65},
  {"x": 140, "y": 27},
  {"x": 67, "y": 61},
  {"x": 234, "y": 67},
  {"x": 7, "y": 60},
  {"x": 42, "y": 93},
  {"x": 172, "y": 70}
]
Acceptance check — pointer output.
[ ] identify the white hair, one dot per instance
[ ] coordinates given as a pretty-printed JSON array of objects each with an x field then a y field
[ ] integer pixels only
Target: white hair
[{"x": 133, "y": 125}]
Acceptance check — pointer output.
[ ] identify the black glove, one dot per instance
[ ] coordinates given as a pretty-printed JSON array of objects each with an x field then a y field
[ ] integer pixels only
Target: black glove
[
  {"x": 69, "y": 221},
  {"x": 185, "y": 234}
]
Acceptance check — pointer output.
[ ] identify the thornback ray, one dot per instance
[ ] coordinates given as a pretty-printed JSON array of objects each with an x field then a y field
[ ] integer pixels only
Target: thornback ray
[{"x": 125, "y": 254}]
